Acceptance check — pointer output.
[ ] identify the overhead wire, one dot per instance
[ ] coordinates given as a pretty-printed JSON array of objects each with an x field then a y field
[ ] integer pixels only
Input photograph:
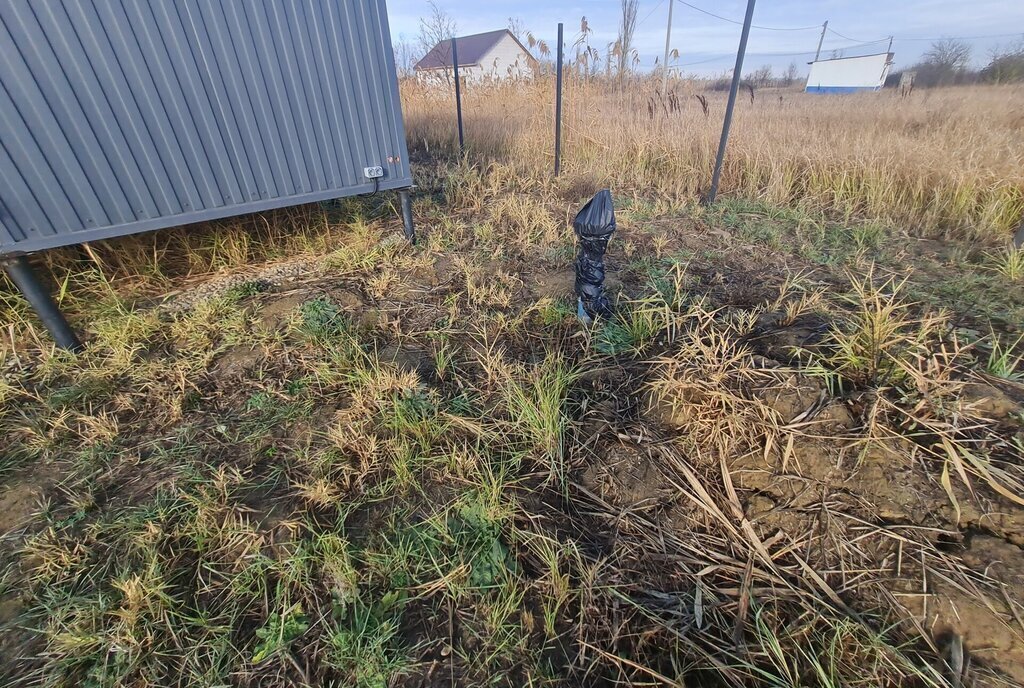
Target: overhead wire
[
  {"x": 732, "y": 56},
  {"x": 648, "y": 15},
  {"x": 962, "y": 38},
  {"x": 933, "y": 38},
  {"x": 841, "y": 35},
  {"x": 754, "y": 26},
  {"x": 776, "y": 54},
  {"x": 857, "y": 44},
  {"x": 700, "y": 62},
  {"x": 847, "y": 38}
]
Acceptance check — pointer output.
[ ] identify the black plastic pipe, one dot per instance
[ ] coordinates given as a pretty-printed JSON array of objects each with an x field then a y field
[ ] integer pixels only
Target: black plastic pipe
[
  {"x": 713, "y": 192},
  {"x": 21, "y": 273}
]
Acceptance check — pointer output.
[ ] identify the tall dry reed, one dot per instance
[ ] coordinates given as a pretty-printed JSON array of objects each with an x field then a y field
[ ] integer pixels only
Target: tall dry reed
[{"x": 942, "y": 162}]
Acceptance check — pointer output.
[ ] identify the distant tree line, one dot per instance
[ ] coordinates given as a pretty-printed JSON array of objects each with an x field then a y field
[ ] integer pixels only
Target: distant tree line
[
  {"x": 762, "y": 77},
  {"x": 948, "y": 63}
]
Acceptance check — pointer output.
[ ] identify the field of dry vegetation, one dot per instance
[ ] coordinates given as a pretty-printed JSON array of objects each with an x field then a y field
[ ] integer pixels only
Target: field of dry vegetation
[
  {"x": 945, "y": 162},
  {"x": 299, "y": 452}
]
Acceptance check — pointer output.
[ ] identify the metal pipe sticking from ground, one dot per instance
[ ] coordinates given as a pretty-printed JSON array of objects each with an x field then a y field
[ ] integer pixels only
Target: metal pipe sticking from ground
[
  {"x": 558, "y": 104},
  {"x": 458, "y": 94},
  {"x": 713, "y": 192},
  {"x": 405, "y": 200},
  {"x": 21, "y": 273}
]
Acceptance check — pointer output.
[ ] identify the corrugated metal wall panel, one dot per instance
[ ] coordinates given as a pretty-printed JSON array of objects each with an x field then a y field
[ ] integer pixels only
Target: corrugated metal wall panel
[{"x": 120, "y": 116}]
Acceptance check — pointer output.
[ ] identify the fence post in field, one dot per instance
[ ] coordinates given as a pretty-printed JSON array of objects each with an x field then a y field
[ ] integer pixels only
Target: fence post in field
[
  {"x": 558, "y": 104},
  {"x": 732, "y": 102},
  {"x": 458, "y": 94}
]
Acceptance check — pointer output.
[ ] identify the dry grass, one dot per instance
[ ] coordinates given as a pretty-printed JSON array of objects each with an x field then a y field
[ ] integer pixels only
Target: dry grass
[
  {"x": 433, "y": 495},
  {"x": 388, "y": 466},
  {"x": 944, "y": 162}
]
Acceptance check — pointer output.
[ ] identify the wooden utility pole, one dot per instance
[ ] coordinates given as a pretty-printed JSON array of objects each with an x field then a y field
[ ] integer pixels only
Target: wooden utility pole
[
  {"x": 824, "y": 28},
  {"x": 668, "y": 37}
]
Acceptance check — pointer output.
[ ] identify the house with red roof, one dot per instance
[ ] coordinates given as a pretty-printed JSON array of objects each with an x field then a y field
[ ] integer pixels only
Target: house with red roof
[{"x": 494, "y": 55}]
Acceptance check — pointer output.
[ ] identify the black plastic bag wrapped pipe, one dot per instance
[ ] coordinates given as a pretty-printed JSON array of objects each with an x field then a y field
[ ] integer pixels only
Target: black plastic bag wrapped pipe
[{"x": 593, "y": 225}]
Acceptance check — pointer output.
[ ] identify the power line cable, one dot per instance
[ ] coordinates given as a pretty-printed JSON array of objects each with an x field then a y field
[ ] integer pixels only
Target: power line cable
[
  {"x": 648, "y": 16},
  {"x": 843, "y": 36},
  {"x": 781, "y": 54},
  {"x": 961, "y": 38},
  {"x": 700, "y": 62},
  {"x": 934, "y": 38},
  {"x": 810, "y": 52},
  {"x": 855, "y": 45},
  {"x": 733, "y": 57},
  {"x": 753, "y": 26},
  {"x": 847, "y": 38}
]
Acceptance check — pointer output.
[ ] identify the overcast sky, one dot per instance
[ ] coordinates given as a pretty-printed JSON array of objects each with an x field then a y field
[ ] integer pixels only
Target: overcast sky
[{"x": 712, "y": 42}]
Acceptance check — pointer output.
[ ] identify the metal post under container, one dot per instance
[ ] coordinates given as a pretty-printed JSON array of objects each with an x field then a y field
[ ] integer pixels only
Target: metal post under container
[
  {"x": 21, "y": 273},
  {"x": 405, "y": 200}
]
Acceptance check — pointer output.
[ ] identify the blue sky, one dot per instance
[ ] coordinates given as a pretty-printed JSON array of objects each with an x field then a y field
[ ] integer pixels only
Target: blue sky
[{"x": 712, "y": 42}]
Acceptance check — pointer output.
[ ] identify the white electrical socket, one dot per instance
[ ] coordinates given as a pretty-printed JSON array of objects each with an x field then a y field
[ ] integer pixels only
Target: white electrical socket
[{"x": 373, "y": 172}]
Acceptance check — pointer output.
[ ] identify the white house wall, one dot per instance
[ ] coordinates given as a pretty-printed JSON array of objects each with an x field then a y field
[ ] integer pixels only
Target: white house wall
[
  {"x": 847, "y": 75},
  {"x": 505, "y": 60}
]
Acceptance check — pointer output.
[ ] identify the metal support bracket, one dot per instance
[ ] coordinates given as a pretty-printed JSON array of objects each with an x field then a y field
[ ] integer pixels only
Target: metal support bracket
[{"x": 21, "y": 273}]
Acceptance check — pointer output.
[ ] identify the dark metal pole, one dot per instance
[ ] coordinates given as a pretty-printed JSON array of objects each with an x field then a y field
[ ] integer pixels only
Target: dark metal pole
[
  {"x": 558, "y": 104},
  {"x": 713, "y": 192},
  {"x": 405, "y": 200},
  {"x": 458, "y": 94},
  {"x": 20, "y": 272}
]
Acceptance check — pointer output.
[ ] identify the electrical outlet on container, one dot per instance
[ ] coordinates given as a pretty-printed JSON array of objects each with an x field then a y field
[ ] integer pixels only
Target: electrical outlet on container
[{"x": 375, "y": 173}]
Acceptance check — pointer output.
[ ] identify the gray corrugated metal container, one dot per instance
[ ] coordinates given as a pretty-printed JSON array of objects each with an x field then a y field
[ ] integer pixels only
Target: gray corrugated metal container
[{"x": 122, "y": 116}]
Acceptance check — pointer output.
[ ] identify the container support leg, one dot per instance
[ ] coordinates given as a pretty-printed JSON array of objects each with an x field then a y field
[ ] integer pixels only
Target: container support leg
[
  {"x": 21, "y": 273},
  {"x": 405, "y": 197}
]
